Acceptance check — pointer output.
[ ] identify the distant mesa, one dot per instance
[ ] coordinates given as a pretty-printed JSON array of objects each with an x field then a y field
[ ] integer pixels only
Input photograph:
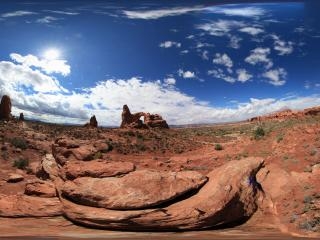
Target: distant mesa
[
  {"x": 92, "y": 122},
  {"x": 130, "y": 120},
  {"x": 5, "y": 108},
  {"x": 287, "y": 114}
]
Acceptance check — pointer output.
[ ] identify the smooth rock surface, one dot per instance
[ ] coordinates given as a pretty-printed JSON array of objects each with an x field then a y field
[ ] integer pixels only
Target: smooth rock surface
[{"x": 139, "y": 189}]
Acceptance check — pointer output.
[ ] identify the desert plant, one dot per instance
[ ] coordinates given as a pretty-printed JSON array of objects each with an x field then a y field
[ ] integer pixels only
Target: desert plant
[
  {"x": 218, "y": 147},
  {"x": 258, "y": 133},
  {"x": 21, "y": 163},
  {"x": 19, "y": 143}
]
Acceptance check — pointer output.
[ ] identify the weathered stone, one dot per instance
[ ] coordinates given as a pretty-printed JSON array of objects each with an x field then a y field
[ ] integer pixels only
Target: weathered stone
[
  {"x": 14, "y": 178},
  {"x": 40, "y": 188},
  {"x": 5, "y": 107},
  {"x": 139, "y": 189}
]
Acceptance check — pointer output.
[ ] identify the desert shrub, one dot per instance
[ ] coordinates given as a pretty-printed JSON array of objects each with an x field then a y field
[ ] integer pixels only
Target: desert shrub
[
  {"x": 21, "y": 163},
  {"x": 258, "y": 133},
  {"x": 19, "y": 143},
  {"x": 218, "y": 147}
]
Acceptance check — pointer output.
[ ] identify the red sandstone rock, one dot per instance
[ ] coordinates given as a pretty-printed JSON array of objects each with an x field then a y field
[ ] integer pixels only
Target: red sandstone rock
[
  {"x": 5, "y": 107},
  {"x": 227, "y": 197},
  {"x": 139, "y": 189},
  {"x": 96, "y": 168},
  {"x": 155, "y": 121},
  {"x": 28, "y": 206},
  {"x": 21, "y": 117},
  {"x": 92, "y": 123},
  {"x": 14, "y": 177},
  {"x": 40, "y": 188}
]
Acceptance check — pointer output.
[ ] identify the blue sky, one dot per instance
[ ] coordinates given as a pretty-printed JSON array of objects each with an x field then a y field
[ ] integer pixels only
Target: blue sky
[{"x": 194, "y": 62}]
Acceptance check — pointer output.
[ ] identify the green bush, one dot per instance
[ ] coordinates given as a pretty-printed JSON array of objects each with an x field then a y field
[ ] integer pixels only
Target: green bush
[
  {"x": 218, "y": 147},
  {"x": 21, "y": 163},
  {"x": 19, "y": 143},
  {"x": 259, "y": 133}
]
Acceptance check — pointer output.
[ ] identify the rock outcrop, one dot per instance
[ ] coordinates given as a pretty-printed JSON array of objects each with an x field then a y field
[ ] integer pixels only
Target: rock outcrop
[
  {"x": 21, "y": 117},
  {"x": 136, "y": 190},
  {"x": 5, "y": 108},
  {"x": 130, "y": 120},
  {"x": 40, "y": 188},
  {"x": 93, "y": 123}
]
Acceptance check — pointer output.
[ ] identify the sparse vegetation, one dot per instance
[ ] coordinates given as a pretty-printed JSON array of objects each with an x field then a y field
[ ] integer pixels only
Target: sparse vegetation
[
  {"x": 218, "y": 147},
  {"x": 19, "y": 143},
  {"x": 258, "y": 133},
  {"x": 21, "y": 163}
]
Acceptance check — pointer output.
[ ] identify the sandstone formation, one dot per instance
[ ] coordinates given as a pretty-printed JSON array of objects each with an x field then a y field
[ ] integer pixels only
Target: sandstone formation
[
  {"x": 40, "y": 188},
  {"x": 5, "y": 108},
  {"x": 286, "y": 114},
  {"x": 29, "y": 206},
  {"x": 130, "y": 120},
  {"x": 93, "y": 123},
  {"x": 136, "y": 190},
  {"x": 21, "y": 117},
  {"x": 96, "y": 169},
  {"x": 14, "y": 177}
]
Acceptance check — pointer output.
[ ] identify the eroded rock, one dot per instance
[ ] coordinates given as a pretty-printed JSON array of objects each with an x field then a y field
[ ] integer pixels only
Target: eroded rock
[
  {"x": 40, "y": 188},
  {"x": 139, "y": 189},
  {"x": 5, "y": 107}
]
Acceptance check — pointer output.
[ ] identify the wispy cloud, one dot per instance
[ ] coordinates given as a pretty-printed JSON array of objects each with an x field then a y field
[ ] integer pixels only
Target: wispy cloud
[
  {"x": 169, "y": 81},
  {"x": 243, "y": 75},
  {"x": 247, "y": 12},
  {"x": 276, "y": 77},
  {"x": 160, "y": 13},
  {"x": 62, "y": 12},
  {"x": 47, "y": 19},
  {"x": 186, "y": 74},
  {"x": 252, "y": 30},
  {"x": 169, "y": 44},
  {"x": 220, "y": 27},
  {"x": 282, "y": 47},
  {"x": 17, "y": 14},
  {"x": 260, "y": 56},
  {"x": 219, "y": 73},
  {"x": 223, "y": 59},
  {"x": 235, "y": 42},
  {"x": 47, "y": 66}
]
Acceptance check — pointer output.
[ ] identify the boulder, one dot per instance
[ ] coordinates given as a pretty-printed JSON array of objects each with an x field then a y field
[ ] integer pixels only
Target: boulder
[
  {"x": 29, "y": 206},
  {"x": 96, "y": 168},
  {"x": 136, "y": 190},
  {"x": 5, "y": 107},
  {"x": 14, "y": 178},
  {"x": 229, "y": 196},
  {"x": 40, "y": 188}
]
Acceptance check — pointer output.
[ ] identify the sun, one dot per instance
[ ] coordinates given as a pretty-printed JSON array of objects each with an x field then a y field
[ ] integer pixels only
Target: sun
[{"x": 51, "y": 54}]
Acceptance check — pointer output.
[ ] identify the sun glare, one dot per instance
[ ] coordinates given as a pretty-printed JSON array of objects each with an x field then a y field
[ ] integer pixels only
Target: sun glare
[{"x": 51, "y": 54}]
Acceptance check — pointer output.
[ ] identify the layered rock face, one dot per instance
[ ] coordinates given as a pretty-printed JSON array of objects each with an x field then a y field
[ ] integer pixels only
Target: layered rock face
[
  {"x": 5, "y": 107},
  {"x": 130, "y": 120}
]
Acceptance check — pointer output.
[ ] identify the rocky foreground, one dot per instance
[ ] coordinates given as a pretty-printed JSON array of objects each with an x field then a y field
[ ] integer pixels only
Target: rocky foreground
[{"x": 163, "y": 180}]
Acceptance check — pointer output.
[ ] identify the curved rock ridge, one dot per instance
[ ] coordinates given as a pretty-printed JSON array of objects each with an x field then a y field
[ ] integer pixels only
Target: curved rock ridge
[
  {"x": 136, "y": 190},
  {"x": 229, "y": 196},
  {"x": 96, "y": 169}
]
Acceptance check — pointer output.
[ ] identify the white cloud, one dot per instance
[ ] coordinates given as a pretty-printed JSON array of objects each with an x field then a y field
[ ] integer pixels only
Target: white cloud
[
  {"x": 48, "y": 66},
  {"x": 186, "y": 74},
  {"x": 243, "y": 75},
  {"x": 220, "y": 27},
  {"x": 184, "y": 51},
  {"x": 170, "y": 81},
  {"x": 223, "y": 59},
  {"x": 205, "y": 55},
  {"x": 238, "y": 11},
  {"x": 252, "y": 30},
  {"x": 17, "y": 14},
  {"x": 260, "y": 55},
  {"x": 201, "y": 45},
  {"x": 47, "y": 19},
  {"x": 276, "y": 77},
  {"x": 235, "y": 42},
  {"x": 15, "y": 76},
  {"x": 169, "y": 44},
  {"x": 283, "y": 47},
  {"x": 160, "y": 13},
  {"x": 219, "y": 73},
  {"x": 62, "y": 12}
]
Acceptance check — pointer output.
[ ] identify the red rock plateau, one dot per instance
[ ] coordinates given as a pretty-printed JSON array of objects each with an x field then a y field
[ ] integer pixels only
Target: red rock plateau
[{"x": 248, "y": 180}]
